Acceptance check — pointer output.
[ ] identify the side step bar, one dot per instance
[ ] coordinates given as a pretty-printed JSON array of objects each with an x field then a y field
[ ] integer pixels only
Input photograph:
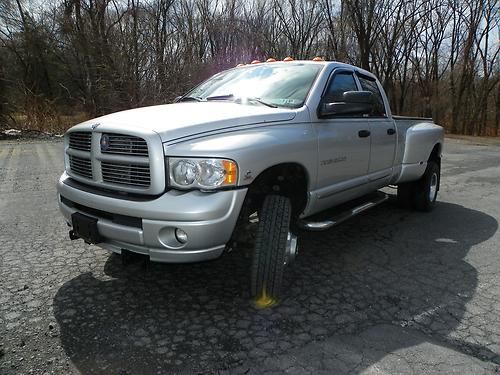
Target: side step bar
[{"x": 317, "y": 226}]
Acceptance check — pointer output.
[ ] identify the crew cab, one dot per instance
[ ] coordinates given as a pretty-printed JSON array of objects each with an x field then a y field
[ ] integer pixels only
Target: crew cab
[{"x": 262, "y": 148}]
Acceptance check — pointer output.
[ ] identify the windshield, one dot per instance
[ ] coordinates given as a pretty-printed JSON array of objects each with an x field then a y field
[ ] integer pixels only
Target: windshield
[{"x": 276, "y": 85}]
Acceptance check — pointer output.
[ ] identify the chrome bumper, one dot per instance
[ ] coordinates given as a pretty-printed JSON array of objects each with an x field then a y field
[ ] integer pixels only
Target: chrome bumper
[{"x": 207, "y": 218}]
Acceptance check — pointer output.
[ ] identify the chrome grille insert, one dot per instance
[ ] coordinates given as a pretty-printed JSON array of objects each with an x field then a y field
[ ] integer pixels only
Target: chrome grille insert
[
  {"x": 80, "y": 166},
  {"x": 130, "y": 163},
  {"x": 123, "y": 144},
  {"x": 126, "y": 174},
  {"x": 80, "y": 141}
]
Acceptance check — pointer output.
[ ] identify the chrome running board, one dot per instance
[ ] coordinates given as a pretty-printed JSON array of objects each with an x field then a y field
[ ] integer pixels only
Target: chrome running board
[{"x": 318, "y": 226}]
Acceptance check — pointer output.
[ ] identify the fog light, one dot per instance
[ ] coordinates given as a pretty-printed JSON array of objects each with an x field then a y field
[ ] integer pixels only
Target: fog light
[{"x": 181, "y": 236}]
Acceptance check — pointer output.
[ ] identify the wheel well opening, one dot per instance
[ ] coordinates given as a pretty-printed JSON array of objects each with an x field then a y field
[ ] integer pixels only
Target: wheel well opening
[
  {"x": 287, "y": 179},
  {"x": 436, "y": 153}
]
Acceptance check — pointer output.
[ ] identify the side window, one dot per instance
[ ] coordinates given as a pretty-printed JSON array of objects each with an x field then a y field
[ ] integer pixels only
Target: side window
[
  {"x": 340, "y": 83},
  {"x": 371, "y": 85}
]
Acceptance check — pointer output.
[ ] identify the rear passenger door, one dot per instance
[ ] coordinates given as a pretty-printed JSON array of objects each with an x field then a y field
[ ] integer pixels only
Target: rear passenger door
[{"x": 383, "y": 134}]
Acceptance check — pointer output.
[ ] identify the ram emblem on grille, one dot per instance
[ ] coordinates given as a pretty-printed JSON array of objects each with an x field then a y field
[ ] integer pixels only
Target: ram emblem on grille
[{"x": 104, "y": 142}]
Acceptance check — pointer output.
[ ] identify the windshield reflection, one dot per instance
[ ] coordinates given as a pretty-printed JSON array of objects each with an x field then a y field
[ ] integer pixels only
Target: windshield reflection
[{"x": 280, "y": 84}]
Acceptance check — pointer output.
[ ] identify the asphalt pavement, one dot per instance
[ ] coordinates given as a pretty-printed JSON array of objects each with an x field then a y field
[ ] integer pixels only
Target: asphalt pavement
[{"x": 388, "y": 292}]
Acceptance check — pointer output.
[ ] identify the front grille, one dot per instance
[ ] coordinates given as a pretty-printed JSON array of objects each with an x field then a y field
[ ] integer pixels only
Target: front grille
[
  {"x": 126, "y": 174},
  {"x": 115, "y": 161},
  {"x": 123, "y": 144},
  {"x": 80, "y": 166},
  {"x": 80, "y": 141}
]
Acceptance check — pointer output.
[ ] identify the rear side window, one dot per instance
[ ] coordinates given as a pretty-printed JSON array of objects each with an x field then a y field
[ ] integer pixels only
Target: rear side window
[
  {"x": 340, "y": 83},
  {"x": 371, "y": 85}
]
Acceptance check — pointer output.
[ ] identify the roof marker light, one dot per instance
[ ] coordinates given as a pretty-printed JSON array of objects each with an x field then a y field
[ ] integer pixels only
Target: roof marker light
[
  {"x": 288, "y": 59},
  {"x": 240, "y": 65},
  {"x": 255, "y": 62},
  {"x": 317, "y": 58},
  {"x": 271, "y": 60}
]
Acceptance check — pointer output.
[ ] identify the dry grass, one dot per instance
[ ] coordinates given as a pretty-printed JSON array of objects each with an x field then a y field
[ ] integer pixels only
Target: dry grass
[{"x": 46, "y": 122}]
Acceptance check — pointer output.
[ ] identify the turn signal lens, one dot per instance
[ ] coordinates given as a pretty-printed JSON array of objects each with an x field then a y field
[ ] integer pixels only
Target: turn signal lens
[{"x": 231, "y": 172}]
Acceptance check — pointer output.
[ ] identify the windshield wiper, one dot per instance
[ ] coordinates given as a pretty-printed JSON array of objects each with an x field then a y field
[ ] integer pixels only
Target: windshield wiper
[
  {"x": 260, "y": 101},
  {"x": 189, "y": 99},
  {"x": 221, "y": 97},
  {"x": 241, "y": 100}
]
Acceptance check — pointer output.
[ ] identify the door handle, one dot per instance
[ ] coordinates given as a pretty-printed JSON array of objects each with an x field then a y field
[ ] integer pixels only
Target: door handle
[
  {"x": 364, "y": 133},
  {"x": 391, "y": 131}
]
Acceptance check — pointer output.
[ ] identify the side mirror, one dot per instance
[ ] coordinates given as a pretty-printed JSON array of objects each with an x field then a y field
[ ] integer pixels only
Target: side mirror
[{"x": 352, "y": 103}]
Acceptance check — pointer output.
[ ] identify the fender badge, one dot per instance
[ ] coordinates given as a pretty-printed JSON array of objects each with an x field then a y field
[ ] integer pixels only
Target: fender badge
[
  {"x": 248, "y": 176},
  {"x": 95, "y": 125}
]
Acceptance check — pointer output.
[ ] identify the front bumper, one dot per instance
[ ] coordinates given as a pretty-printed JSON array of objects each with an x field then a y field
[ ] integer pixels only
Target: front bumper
[{"x": 207, "y": 218}]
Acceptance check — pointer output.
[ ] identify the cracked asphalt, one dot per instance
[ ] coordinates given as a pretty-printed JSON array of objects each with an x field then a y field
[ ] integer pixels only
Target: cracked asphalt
[{"x": 388, "y": 292}]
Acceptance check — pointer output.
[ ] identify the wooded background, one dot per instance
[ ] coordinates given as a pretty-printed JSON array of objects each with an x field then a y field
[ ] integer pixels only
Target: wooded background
[{"x": 64, "y": 61}]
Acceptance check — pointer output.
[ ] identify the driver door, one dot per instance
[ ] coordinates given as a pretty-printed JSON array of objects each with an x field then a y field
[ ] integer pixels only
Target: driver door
[{"x": 343, "y": 142}]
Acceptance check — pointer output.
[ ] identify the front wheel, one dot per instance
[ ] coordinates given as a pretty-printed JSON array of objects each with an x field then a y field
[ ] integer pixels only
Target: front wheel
[{"x": 275, "y": 246}]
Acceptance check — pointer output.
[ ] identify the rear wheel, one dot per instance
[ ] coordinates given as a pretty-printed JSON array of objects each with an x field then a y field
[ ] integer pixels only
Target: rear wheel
[
  {"x": 426, "y": 188},
  {"x": 275, "y": 247},
  {"x": 421, "y": 195}
]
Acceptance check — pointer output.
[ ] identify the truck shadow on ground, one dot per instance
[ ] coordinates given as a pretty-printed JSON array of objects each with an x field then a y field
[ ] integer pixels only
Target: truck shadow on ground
[{"x": 387, "y": 266}]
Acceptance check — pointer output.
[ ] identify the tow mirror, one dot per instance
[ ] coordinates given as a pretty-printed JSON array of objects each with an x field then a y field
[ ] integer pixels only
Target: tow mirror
[{"x": 352, "y": 103}]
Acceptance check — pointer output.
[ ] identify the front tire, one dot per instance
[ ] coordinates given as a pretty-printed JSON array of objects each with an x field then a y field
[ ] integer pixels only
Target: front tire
[{"x": 270, "y": 254}]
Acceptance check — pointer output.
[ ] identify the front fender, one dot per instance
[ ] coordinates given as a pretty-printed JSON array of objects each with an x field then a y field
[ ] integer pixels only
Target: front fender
[{"x": 257, "y": 149}]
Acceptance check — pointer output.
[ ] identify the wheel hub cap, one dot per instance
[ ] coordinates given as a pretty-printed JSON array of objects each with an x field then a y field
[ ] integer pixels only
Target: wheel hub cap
[{"x": 433, "y": 187}]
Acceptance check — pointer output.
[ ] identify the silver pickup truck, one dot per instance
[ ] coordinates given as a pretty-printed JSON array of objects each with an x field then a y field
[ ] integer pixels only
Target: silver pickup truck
[{"x": 261, "y": 148}]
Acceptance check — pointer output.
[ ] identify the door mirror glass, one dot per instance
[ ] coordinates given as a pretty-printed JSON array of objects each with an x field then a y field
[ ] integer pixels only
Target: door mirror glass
[{"x": 353, "y": 103}]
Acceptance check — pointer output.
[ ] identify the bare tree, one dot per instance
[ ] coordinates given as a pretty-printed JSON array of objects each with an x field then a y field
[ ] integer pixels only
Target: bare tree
[{"x": 436, "y": 58}]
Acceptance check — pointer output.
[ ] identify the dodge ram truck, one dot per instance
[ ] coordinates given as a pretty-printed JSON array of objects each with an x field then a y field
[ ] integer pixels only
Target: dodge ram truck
[{"x": 263, "y": 148}]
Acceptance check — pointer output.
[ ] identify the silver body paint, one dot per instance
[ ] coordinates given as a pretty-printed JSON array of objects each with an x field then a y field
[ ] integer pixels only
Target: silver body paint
[{"x": 340, "y": 165}]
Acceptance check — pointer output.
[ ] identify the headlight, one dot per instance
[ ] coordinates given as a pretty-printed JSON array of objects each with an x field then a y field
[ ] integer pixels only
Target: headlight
[{"x": 202, "y": 173}]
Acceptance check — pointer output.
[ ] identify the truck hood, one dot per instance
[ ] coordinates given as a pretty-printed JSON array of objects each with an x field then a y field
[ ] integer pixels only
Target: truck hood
[{"x": 179, "y": 120}]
